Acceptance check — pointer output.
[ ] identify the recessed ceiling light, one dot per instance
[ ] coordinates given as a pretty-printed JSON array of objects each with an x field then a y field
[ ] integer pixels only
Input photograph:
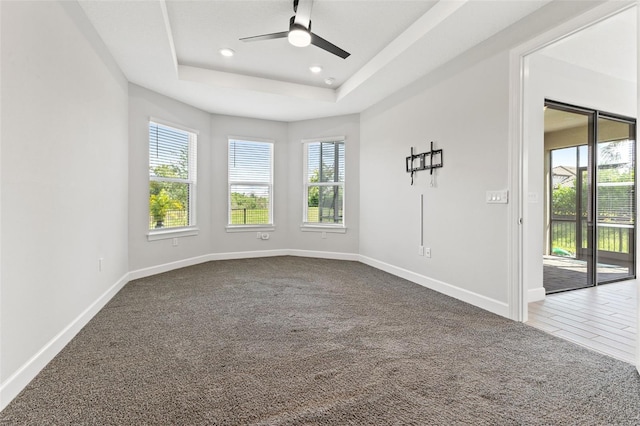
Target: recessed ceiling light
[
  {"x": 329, "y": 81},
  {"x": 315, "y": 68},
  {"x": 226, "y": 52}
]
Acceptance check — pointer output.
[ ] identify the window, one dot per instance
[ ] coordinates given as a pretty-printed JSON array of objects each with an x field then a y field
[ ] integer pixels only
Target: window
[
  {"x": 250, "y": 183},
  {"x": 324, "y": 183},
  {"x": 172, "y": 177}
]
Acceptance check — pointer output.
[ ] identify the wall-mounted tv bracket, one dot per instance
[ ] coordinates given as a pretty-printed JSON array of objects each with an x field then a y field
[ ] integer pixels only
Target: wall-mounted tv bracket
[{"x": 435, "y": 161}]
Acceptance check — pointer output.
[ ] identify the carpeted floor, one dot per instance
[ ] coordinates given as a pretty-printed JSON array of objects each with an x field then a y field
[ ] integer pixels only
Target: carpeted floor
[{"x": 298, "y": 341}]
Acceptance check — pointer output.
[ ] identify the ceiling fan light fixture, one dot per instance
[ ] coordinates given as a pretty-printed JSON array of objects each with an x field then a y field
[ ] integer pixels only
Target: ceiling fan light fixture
[
  {"x": 299, "y": 36},
  {"x": 299, "y": 33}
]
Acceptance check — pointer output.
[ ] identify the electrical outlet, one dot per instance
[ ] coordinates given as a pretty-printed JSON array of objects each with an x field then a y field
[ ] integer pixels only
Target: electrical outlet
[
  {"x": 427, "y": 252},
  {"x": 420, "y": 250},
  {"x": 100, "y": 264},
  {"x": 175, "y": 242},
  {"x": 324, "y": 235},
  {"x": 259, "y": 235}
]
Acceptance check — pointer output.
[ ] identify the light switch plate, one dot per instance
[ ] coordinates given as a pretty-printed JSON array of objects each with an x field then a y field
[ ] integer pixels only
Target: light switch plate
[{"x": 498, "y": 197}]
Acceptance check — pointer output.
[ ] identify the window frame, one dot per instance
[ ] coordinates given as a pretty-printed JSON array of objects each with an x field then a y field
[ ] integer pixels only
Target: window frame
[
  {"x": 177, "y": 231},
  {"x": 319, "y": 226},
  {"x": 263, "y": 227}
]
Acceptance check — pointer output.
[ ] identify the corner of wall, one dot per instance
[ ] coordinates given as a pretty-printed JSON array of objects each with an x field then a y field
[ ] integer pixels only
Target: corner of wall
[{"x": 12, "y": 386}]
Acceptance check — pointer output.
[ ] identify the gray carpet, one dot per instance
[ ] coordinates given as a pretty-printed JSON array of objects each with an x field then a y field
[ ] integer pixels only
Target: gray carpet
[{"x": 297, "y": 341}]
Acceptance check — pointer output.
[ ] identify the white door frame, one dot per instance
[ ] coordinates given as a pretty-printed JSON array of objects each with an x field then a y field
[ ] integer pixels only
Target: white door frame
[{"x": 518, "y": 155}]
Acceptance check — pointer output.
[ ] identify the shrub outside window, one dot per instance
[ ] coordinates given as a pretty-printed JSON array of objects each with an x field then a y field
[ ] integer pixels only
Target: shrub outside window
[{"x": 172, "y": 177}]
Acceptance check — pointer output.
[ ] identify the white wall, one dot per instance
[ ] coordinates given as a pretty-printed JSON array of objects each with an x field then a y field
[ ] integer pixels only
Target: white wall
[
  {"x": 465, "y": 112},
  {"x": 549, "y": 78},
  {"x": 637, "y": 156},
  {"x": 222, "y": 127},
  {"x": 213, "y": 241},
  {"x": 349, "y": 127},
  {"x": 144, "y": 104},
  {"x": 75, "y": 186},
  {"x": 63, "y": 182}
]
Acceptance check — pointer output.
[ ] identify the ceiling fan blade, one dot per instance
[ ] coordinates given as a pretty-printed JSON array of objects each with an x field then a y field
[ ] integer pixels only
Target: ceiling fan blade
[
  {"x": 316, "y": 40},
  {"x": 271, "y": 36},
  {"x": 303, "y": 12}
]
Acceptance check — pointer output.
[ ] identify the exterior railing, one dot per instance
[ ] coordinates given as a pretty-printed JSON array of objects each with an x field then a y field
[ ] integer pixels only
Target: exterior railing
[
  {"x": 249, "y": 216},
  {"x": 613, "y": 236}
]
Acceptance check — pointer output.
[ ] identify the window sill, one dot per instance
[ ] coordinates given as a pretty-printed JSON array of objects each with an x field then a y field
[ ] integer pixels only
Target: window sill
[
  {"x": 250, "y": 228},
  {"x": 337, "y": 229},
  {"x": 165, "y": 234}
]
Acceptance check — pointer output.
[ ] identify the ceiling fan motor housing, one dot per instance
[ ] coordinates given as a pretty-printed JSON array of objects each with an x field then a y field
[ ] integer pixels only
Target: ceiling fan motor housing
[{"x": 293, "y": 25}]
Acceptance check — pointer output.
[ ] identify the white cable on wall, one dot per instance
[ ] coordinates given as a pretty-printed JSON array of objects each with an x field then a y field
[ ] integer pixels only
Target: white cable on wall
[{"x": 421, "y": 220}]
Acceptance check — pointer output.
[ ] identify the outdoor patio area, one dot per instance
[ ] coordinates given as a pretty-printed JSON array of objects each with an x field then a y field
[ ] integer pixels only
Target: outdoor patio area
[{"x": 566, "y": 273}]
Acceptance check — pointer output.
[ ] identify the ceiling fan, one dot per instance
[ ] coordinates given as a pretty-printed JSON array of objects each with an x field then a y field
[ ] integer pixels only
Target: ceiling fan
[{"x": 299, "y": 33}]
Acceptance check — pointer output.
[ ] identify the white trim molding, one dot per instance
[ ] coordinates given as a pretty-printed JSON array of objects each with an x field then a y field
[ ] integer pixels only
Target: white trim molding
[
  {"x": 250, "y": 228},
  {"x": 325, "y": 139},
  {"x": 638, "y": 157},
  {"x": 536, "y": 294},
  {"x": 336, "y": 229},
  {"x": 168, "y": 233},
  {"x": 174, "y": 125},
  {"x": 166, "y": 267},
  {"x": 483, "y": 302},
  {"x": 491, "y": 305},
  {"x": 518, "y": 223},
  {"x": 12, "y": 386},
  {"x": 354, "y": 257}
]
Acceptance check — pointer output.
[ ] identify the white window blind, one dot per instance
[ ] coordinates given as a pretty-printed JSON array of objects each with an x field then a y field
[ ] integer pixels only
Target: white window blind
[
  {"x": 616, "y": 182},
  {"x": 250, "y": 183},
  {"x": 172, "y": 177},
  {"x": 324, "y": 183}
]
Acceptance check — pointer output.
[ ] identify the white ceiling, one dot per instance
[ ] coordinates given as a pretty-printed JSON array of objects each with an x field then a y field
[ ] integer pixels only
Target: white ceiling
[
  {"x": 171, "y": 47},
  {"x": 608, "y": 47},
  {"x": 197, "y": 40}
]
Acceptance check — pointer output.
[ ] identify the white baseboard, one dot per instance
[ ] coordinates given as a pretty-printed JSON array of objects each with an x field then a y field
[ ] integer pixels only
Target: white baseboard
[
  {"x": 248, "y": 254},
  {"x": 325, "y": 255},
  {"x": 486, "y": 303},
  {"x": 11, "y": 387},
  {"x": 535, "y": 294},
  {"x": 166, "y": 267}
]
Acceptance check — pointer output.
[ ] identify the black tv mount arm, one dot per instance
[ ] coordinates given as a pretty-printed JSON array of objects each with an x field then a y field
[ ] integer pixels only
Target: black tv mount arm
[{"x": 422, "y": 164}]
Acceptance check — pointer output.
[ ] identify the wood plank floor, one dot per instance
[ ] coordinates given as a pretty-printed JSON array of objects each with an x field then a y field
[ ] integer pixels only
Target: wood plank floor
[{"x": 602, "y": 318}]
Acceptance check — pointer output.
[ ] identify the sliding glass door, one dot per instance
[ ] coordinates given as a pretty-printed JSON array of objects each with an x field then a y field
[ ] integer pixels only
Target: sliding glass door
[
  {"x": 616, "y": 199},
  {"x": 591, "y": 199},
  {"x": 569, "y": 262}
]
